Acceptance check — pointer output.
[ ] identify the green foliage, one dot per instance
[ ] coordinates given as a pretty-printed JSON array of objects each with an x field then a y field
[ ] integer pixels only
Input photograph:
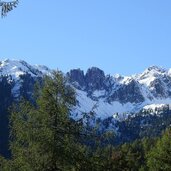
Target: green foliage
[
  {"x": 160, "y": 156},
  {"x": 5, "y": 102},
  {"x": 45, "y": 138},
  {"x": 5, "y": 164}
]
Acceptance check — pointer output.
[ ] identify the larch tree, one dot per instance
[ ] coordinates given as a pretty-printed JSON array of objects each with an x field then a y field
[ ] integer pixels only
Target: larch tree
[{"x": 43, "y": 136}]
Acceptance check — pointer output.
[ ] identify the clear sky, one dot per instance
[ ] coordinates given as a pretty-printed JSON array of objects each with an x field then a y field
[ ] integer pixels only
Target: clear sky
[{"x": 118, "y": 36}]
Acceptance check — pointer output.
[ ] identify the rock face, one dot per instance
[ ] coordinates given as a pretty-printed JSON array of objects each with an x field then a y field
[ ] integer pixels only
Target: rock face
[
  {"x": 153, "y": 83},
  {"x": 94, "y": 79},
  {"x": 77, "y": 76},
  {"x": 130, "y": 92},
  {"x": 91, "y": 81}
]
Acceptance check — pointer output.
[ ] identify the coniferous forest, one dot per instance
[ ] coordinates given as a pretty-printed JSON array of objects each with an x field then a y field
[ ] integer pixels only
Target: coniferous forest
[{"x": 44, "y": 138}]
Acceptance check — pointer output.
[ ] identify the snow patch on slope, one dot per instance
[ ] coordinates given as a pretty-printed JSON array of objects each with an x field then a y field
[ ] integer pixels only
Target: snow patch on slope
[
  {"x": 101, "y": 108},
  {"x": 154, "y": 106}
]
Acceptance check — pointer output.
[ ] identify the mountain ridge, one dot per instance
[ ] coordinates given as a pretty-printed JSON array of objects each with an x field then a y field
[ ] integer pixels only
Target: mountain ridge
[{"x": 103, "y": 94}]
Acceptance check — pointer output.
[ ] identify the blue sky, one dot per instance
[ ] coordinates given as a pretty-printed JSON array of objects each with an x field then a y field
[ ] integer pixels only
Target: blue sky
[{"x": 118, "y": 36}]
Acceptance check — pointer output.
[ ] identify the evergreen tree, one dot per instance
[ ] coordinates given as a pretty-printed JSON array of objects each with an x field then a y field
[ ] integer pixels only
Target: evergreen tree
[
  {"x": 5, "y": 164},
  {"x": 159, "y": 158},
  {"x": 44, "y": 138},
  {"x": 5, "y": 102}
]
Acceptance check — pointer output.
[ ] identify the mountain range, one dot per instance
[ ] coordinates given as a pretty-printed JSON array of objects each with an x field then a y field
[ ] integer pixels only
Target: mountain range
[
  {"x": 105, "y": 95},
  {"x": 133, "y": 106}
]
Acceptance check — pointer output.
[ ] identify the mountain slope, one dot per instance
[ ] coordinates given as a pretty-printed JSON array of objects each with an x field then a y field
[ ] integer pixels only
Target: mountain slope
[{"x": 118, "y": 94}]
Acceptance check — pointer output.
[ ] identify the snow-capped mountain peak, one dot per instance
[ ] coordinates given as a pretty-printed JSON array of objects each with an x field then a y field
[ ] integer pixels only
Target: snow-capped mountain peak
[
  {"x": 156, "y": 68},
  {"x": 16, "y": 68},
  {"x": 151, "y": 74}
]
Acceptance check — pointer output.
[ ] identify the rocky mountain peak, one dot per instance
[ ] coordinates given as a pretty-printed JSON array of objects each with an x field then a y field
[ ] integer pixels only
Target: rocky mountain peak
[
  {"x": 156, "y": 68},
  {"x": 154, "y": 71},
  {"x": 92, "y": 80},
  {"x": 95, "y": 78},
  {"x": 77, "y": 76}
]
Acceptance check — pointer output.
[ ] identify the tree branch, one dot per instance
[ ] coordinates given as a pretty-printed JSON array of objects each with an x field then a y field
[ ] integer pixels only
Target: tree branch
[{"x": 7, "y": 6}]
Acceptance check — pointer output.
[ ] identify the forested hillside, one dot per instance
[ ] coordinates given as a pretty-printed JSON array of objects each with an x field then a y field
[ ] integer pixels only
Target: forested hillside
[{"x": 44, "y": 137}]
